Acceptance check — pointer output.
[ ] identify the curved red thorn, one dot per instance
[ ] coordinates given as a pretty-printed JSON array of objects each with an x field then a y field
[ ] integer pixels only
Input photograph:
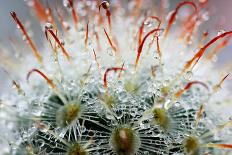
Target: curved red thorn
[
  {"x": 188, "y": 86},
  {"x": 139, "y": 51},
  {"x": 95, "y": 58},
  {"x": 28, "y": 39},
  {"x": 223, "y": 79},
  {"x": 40, "y": 10},
  {"x": 109, "y": 40},
  {"x": 106, "y": 6},
  {"x": 217, "y": 86},
  {"x": 108, "y": 70},
  {"x": 86, "y": 34},
  {"x": 190, "y": 24},
  {"x": 119, "y": 75},
  {"x": 224, "y": 146},
  {"x": 57, "y": 41},
  {"x": 199, "y": 54},
  {"x": 158, "y": 47},
  {"x": 142, "y": 27},
  {"x": 173, "y": 15},
  {"x": 43, "y": 75},
  {"x": 74, "y": 14},
  {"x": 217, "y": 48}
]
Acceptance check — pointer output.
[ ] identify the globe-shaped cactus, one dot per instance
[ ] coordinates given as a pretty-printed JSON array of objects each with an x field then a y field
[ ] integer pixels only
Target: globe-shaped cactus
[{"x": 115, "y": 78}]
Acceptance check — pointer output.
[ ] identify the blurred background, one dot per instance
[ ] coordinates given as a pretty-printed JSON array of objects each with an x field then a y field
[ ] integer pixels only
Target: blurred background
[
  {"x": 220, "y": 19},
  {"x": 220, "y": 11},
  {"x": 220, "y": 14}
]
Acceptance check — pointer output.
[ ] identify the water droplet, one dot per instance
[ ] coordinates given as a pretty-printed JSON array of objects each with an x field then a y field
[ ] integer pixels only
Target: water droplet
[
  {"x": 66, "y": 3},
  {"x": 62, "y": 134},
  {"x": 43, "y": 127},
  {"x": 146, "y": 153},
  {"x": 24, "y": 37},
  {"x": 119, "y": 114},
  {"x": 109, "y": 51},
  {"x": 205, "y": 16},
  {"x": 109, "y": 116},
  {"x": 48, "y": 25},
  {"x": 158, "y": 93},
  {"x": 18, "y": 26},
  {"x": 148, "y": 23},
  {"x": 230, "y": 118},
  {"x": 202, "y": 1},
  {"x": 90, "y": 42},
  {"x": 188, "y": 75},
  {"x": 214, "y": 58},
  {"x": 220, "y": 32},
  {"x": 62, "y": 42},
  {"x": 66, "y": 25},
  {"x": 190, "y": 42},
  {"x": 156, "y": 56},
  {"x": 83, "y": 129},
  {"x": 177, "y": 104},
  {"x": 30, "y": 3},
  {"x": 105, "y": 5},
  {"x": 40, "y": 142},
  {"x": 159, "y": 33}
]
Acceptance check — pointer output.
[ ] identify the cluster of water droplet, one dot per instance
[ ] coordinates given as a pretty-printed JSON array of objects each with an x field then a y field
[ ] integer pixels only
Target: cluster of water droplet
[
  {"x": 100, "y": 112},
  {"x": 132, "y": 112}
]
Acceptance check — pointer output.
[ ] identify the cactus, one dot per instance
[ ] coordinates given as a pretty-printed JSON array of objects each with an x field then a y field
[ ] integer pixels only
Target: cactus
[{"x": 111, "y": 80}]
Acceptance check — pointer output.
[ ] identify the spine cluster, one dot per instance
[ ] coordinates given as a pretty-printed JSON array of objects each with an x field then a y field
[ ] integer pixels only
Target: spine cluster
[{"x": 114, "y": 87}]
